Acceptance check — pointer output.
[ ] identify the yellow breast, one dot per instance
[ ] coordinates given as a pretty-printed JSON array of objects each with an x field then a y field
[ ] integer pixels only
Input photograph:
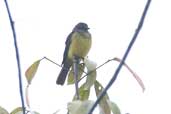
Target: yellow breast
[{"x": 80, "y": 45}]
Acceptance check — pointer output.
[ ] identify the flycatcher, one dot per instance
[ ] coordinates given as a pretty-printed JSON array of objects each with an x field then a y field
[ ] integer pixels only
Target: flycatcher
[{"x": 78, "y": 44}]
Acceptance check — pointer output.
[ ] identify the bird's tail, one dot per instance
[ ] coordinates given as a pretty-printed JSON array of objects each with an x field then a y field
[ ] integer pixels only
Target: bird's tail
[{"x": 62, "y": 75}]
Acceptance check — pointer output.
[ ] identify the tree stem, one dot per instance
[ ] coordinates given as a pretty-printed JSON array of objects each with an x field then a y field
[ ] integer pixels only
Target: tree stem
[{"x": 75, "y": 67}]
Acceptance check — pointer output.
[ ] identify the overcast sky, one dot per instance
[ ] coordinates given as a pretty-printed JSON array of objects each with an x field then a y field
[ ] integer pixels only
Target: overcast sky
[{"x": 42, "y": 27}]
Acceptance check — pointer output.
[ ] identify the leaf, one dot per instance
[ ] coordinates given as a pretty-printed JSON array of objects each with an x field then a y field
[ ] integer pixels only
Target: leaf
[
  {"x": 91, "y": 78},
  {"x": 71, "y": 79},
  {"x": 91, "y": 69},
  {"x": 3, "y": 111},
  {"x": 34, "y": 112},
  {"x": 73, "y": 107},
  {"x": 115, "y": 109},
  {"x": 103, "y": 102},
  {"x": 17, "y": 110},
  {"x": 83, "y": 93},
  {"x": 80, "y": 107},
  {"x": 99, "y": 88},
  {"x": 133, "y": 73},
  {"x": 91, "y": 65},
  {"x": 31, "y": 71}
]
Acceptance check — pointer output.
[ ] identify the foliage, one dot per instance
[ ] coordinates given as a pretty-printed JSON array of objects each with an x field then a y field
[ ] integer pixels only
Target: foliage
[
  {"x": 3, "y": 111},
  {"x": 17, "y": 110},
  {"x": 83, "y": 105}
]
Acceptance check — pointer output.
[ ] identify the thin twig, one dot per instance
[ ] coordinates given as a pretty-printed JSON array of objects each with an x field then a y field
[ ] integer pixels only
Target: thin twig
[
  {"x": 51, "y": 61},
  {"x": 86, "y": 74},
  {"x": 114, "y": 59},
  {"x": 60, "y": 65},
  {"x": 75, "y": 67},
  {"x": 17, "y": 55},
  {"x": 123, "y": 59}
]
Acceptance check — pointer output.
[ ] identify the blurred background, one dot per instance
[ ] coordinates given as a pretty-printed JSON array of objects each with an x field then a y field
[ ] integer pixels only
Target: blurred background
[{"x": 42, "y": 28}]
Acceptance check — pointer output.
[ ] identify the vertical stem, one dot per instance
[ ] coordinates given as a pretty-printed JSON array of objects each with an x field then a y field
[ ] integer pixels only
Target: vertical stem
[
  {"x": 75, "y": 67},
  {"x": 17, "y": 55}
]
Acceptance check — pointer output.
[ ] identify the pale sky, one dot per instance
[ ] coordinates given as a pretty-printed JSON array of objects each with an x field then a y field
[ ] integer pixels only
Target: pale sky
[{"x": 42, "y": 27}]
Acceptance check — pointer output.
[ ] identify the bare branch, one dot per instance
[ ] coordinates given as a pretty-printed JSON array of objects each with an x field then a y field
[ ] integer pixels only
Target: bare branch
[
  {"x": 17, "y": 55},
  {"x": 124, "y": 57}
]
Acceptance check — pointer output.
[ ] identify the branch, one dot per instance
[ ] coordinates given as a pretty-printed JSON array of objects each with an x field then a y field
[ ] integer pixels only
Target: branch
[
  {"x": 123, "y": 59},
  {"x": 86, "y": 74},
  {"x": 51, "y": 61},
  {"x": 17, "y": 56},
  {"x": 75, "y": 67}
]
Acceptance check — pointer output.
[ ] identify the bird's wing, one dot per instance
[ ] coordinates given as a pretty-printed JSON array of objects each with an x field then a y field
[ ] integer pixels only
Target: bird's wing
[{"x": 67, "y": 45}]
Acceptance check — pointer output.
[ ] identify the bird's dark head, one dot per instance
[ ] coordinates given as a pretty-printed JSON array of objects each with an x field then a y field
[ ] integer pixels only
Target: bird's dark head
[{"x": 81, "y": 26}]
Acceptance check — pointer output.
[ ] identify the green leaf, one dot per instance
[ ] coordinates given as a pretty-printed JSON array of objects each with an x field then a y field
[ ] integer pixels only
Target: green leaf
[
  {"x": 71, "y": 79},
  {"x": 79, "y": 107},
  {"x": 31, "y": 71},
  {"x": 91, "y": 69},
  {"x": 17, "y": 110},
  {"x": 99, "y": 88},
  {"x": 83, "y": 93},
  {"x": 34, "y": 112},
  {"x": 3, "y": 111},
  {"x": 115, "y": 109},
  {"x": 103, "y": 102}
]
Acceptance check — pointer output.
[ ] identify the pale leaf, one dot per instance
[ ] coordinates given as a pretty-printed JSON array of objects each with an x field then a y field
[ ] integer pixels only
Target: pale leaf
[
  {"x": 31, "y": 71},
  {"x": 91, "y": 71},
  {"x": 115, "y": 109},
  {"x": 103, "y": 102},
  {"x": 80, "y": 107},
  {"x": 134, "y": 74}
]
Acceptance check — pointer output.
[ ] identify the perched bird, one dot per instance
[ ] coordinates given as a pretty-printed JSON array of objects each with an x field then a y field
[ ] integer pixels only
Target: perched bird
[{"x": 78, "y": 44}]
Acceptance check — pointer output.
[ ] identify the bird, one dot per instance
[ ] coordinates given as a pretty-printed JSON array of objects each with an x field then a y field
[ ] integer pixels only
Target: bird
[{"x": 77, "y": 44}]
